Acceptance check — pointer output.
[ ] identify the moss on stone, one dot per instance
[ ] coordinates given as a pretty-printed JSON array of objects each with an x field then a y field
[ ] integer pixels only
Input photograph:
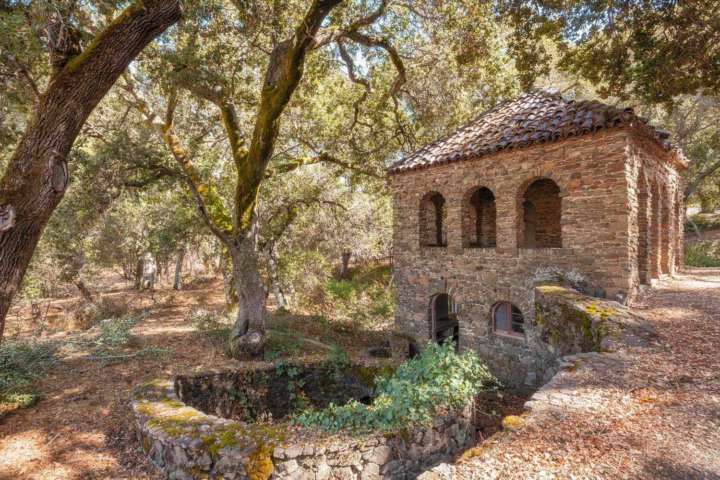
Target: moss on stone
[
  {"x": 512, "y": 422},
  {"x": 175, "y": 425},
  {"x": 260, "y": 465}
]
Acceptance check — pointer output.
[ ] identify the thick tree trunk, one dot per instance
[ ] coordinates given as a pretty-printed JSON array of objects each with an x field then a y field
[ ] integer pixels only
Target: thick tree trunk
[
  {"x": 178, "y": 283},
  {"x": 36, "y": 177},
  {"x": 248, "y": 333}
]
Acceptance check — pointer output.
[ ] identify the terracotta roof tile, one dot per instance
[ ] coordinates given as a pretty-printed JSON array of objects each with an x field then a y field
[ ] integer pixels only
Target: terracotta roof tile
[{"x": 535, "y": 117}]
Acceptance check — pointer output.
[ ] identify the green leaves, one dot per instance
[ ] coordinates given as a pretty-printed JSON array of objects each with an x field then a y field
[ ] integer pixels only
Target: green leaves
[{"x": 438, "y": 378}]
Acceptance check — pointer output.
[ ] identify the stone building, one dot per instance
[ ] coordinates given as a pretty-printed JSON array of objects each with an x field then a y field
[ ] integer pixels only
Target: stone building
[{"x": 537, "y": 187}]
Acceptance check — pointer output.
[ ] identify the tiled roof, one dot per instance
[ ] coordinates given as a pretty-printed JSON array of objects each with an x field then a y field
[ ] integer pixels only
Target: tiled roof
[{"x": 535, "y": 117}]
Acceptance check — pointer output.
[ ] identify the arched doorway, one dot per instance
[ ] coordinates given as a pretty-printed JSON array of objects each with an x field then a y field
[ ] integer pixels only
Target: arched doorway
[{"x": 443, "y": 320}]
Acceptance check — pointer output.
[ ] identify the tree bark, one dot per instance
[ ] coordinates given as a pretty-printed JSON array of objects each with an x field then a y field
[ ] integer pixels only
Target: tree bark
[
  {"x": 36, "y": 177},
  {"x": 248, "y": 333},
  {"x": 84, "y": 291},
  {"x": 275, "y": 280},
  {"x": 344, "y": 265},
  {"x": 178, "y": 283}
]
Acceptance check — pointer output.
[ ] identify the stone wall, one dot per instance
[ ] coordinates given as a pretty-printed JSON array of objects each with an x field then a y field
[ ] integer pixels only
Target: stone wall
[
  {"x": 600, "y": 235},
  {"x": 185, "y": 443}
]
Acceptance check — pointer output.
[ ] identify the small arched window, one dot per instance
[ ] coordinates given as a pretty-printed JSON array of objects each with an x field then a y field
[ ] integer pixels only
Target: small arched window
[
  {"x": 508, "y": 319},
  {"x": 432, "y": 220},
  {"x": 479, "y": 219}
]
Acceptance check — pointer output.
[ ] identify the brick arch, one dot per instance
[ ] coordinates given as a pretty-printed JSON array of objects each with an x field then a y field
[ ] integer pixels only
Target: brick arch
[
  {"x": 479, "y": 218},
  {"x": 539, "y": 213},
  {"x": 432, "y": 220}
]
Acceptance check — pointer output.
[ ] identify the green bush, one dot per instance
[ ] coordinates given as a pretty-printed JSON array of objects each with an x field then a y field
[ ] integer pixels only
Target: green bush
[
  {"x": 215, "y": 326},
  {"x": 363, "y": 297},
  {"x": 702, "y": 254},
  {"x": 115, "y": 332},
  {"x": 703, "y": 221},
  {"x": 21, "y": 364},
  {"x": 437, "y": 378}
]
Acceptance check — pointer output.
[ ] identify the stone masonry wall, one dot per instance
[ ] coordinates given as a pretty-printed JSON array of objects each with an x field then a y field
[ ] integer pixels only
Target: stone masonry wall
[
  {"x": 185, "y": 444},
  {"x": 600, "y": 236}
]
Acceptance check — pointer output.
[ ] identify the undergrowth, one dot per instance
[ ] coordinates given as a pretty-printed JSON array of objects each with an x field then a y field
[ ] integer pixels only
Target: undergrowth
[
  {"x": 209, "y": 323},
  {"x": 437, "y": 378},
  {"x": 702, "y": 254},
  {"x": 22, "y": 363},
  {"x": 703, "y": 221}
]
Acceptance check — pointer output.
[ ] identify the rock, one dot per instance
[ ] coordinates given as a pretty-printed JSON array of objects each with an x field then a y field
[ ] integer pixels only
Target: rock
[
  {"x": 379, "y": 455},
  {"x": 371, "y": 471},
  {"x": 343, "y": 473},
  {"x": 323, "y": 472},
  {"x": 293, "y": 451},
  {"x": 286, "y": 468}
]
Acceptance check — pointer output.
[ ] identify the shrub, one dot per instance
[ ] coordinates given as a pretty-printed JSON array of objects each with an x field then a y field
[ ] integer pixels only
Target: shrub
[
  {"x": 87, "y": 315},
  {"x": 703, "y": 222},
  {"x": 215, "y": 326},
  {"x": 437, "y": 378},
  {"x": 21, "y": 364},
  {"x": 702, "y": 254},
  {"x": 115, "y": 332}
]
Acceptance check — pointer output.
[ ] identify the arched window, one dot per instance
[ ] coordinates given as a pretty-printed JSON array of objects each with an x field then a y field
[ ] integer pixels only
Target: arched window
[
  {"x": 432, "y": 220},
  {"x": 508, "y": 319},
  {"x": 540, "y": 216},
  {"x": 479, "y": 219}
]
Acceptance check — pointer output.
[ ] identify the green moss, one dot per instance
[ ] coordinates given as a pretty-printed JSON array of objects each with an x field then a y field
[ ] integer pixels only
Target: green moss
[
  {"x": 512, "y": 422},
  {"x": 260, "y": 465},
  {"x": 175, "y": 425},
  {"x": 80, "y": 59},
  {"x": 172, "y": 403}
]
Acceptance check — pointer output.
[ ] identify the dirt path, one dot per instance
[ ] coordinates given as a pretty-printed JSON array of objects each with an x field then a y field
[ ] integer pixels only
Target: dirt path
[{"x": 642, "y": 412}]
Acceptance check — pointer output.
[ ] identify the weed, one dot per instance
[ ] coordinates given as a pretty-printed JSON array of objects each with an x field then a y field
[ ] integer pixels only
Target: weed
[
  {"x": 22, "y": 363},
  {"x": 703, "y": 254}
]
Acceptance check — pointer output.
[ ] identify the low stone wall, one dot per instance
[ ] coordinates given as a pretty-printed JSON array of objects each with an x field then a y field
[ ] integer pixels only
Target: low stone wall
[{"x": 185, "y": 443}]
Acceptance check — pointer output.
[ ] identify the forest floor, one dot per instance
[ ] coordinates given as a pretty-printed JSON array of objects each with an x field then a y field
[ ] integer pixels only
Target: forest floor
[
  {"x": 80, "y": 428},
  {"x": 650, "y": 412},
  {"x": 655, "y": 412}
]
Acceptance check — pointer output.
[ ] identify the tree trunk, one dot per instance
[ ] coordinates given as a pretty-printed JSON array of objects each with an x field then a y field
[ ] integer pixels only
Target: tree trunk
[
  {"x": 275, "y": 281},
  {"x": 84, "y": 291},
  {"x": 137, "y": 280},
  {"x": 177, "y": 284},
  {"x": 36, "y": 177},
  {"x": 248, "y": 333},
  {"x": 344, "y": 265}
]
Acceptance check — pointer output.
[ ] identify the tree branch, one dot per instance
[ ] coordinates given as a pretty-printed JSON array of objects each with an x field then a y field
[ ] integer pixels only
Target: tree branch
[
  {"x": 211, "y": 210},
  {"x": 283, "y": 75}
]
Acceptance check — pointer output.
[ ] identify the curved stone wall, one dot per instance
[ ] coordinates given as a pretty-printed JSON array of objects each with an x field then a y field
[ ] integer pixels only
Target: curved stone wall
[{"x": 185, "y": 443}]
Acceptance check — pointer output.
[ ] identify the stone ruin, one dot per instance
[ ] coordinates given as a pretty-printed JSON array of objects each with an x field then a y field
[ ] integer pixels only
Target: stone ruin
[{"x": 234, "y": 425}]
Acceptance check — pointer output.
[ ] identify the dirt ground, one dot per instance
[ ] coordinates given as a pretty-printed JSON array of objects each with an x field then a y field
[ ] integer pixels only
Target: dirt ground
[
  {"x": 662, "y": 419},
  {"x": 644, "y": 412}
]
